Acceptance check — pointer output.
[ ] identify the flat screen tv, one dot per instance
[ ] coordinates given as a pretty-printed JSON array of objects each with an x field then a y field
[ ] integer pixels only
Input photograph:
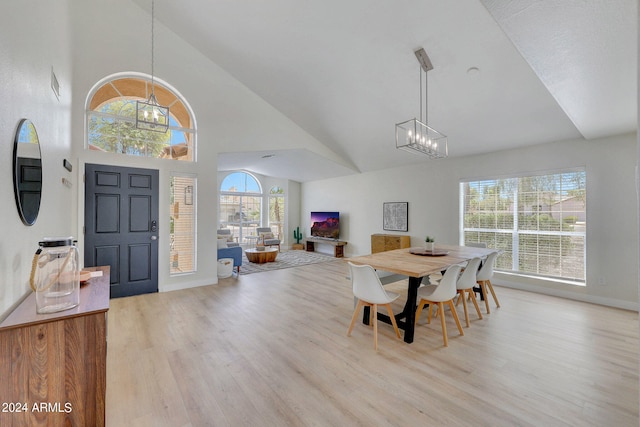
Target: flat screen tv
[{"x": 325, "y": 224}]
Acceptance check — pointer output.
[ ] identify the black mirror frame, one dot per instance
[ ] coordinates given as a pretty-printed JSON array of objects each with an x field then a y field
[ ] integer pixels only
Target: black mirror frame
[{"x": 27, "y": 178}]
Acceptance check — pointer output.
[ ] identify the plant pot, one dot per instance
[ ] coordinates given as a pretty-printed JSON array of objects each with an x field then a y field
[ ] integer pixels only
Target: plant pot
[
  {"x": 297, "y": 247},
  {"x": 430, "y": 246}
]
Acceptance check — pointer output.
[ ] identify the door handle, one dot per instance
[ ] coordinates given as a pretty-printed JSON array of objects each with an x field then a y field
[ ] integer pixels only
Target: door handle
[{"x": 154, "y": 237}]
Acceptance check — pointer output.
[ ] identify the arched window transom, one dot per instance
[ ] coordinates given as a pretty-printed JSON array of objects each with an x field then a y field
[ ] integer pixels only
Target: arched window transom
[{"x": 111, "y": 115}]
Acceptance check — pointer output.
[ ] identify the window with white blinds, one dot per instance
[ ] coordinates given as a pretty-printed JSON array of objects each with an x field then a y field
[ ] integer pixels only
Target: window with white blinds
[
  {"x": 182, "y": 223},
  {"x": 538, "y": 222}
]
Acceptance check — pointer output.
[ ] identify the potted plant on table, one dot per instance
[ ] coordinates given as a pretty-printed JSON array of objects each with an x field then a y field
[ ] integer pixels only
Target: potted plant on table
[{"x": 430, "y": 243}]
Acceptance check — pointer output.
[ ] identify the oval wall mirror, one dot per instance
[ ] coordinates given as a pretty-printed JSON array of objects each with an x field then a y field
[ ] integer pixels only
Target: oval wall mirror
[{"x": 27, "y": 171}]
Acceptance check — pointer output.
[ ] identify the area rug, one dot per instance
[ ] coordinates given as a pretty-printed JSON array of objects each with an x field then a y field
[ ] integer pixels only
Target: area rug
[{"x": 285, "y": 259}]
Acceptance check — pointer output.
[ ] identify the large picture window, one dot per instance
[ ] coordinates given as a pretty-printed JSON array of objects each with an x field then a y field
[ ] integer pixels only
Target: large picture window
[
  {"x": 240, "y": 205},
  {"x": 538, "y": 222}
]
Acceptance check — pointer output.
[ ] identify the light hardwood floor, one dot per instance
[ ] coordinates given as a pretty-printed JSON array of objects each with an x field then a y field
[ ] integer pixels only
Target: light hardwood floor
[{"x": 270, "y": 349}]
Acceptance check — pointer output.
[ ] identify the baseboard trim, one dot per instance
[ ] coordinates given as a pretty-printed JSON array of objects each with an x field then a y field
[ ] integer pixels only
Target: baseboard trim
[
  {"x": 610, "y": 302},
  {"x": 188, "y": 285}
]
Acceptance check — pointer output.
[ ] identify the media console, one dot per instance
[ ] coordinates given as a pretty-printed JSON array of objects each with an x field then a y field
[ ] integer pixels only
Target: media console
[{"x": 338, "y": 245}]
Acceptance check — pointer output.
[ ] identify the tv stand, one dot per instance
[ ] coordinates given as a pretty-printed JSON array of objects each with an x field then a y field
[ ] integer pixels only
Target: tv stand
[{"x": 338, "y": 245}]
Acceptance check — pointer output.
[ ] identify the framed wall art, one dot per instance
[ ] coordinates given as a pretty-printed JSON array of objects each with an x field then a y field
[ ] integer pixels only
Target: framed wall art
[{"x": 395, "y": 216}]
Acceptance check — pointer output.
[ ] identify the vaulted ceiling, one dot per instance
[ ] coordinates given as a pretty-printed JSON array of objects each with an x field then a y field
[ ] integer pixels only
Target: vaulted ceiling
[{"x": 506, "y": 73}]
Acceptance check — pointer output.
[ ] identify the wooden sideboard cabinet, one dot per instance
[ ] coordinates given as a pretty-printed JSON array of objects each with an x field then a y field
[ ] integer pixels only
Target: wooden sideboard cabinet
[
  {"x": 53, "y": 366},
  {"x": 389, "y": 242}
]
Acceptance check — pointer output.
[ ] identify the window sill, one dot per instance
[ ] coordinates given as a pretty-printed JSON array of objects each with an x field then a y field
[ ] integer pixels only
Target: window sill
[{"x": 542, "y": 278}]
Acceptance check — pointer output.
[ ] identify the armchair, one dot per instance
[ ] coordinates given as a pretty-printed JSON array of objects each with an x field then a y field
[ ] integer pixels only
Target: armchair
[
  {"x": 234, "y": 252},
  {"x": 225, "y": 233},
  {"x": 267, "y": 236}
]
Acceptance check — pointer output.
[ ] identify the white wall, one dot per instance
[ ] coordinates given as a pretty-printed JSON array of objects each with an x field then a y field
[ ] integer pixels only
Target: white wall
[
  {"x": 431, "y": 189},
  {"x": 34, "y": 37}
]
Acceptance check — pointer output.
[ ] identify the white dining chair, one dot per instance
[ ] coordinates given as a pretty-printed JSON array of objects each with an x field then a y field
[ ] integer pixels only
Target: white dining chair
[
  {"x": 465, "y": 285},
  {"x": 369, "y": 291},
  {"x": 483, "y": 278},
  {"x": 438, "y": 295}
]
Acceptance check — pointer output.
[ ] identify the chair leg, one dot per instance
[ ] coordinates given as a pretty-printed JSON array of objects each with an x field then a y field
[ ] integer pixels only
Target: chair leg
[
  {"x": 475, "y": 303},
  {"x": 483, "y": 287},
  {"x": 464, "y": 304},
  {"x": 421, "y": 305},
  {"x": 373, "y": 316},
  {"x": 443, "y": 323},
  {"x": 495, "y": 298},
  {"x": 393, "y": 320},
  {"x": 455, "y": 317},
  {"x": 355, "y": 316}
]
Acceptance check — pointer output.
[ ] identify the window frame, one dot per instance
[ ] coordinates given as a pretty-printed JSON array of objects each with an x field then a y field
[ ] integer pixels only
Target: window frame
[
  {"x": 272, "y": 196},
  {"x": 105, "y": 91},
  {"x": 243, "y": 227},
  {"x": 174, "y": 213},
  {"x": 511, "y": 251}
]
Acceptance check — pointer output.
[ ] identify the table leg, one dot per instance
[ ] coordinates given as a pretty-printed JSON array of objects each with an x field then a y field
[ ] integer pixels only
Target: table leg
[
  {"x": 408, "y": 313},
  {"x": 410, "y": 308}
]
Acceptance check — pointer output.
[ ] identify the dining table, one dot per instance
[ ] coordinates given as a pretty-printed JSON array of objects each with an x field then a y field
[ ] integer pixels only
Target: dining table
[{"x": 416, "y": 263}]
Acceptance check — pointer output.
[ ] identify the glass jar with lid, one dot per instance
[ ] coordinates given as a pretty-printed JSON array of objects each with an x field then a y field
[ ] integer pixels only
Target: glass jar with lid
[{"x": 55, "y": 275}]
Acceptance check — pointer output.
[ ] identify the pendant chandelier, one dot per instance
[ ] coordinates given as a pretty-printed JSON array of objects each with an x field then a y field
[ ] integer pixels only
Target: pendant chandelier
[
  {"x": 415, "y": 135},
  {"x": 150, "y": 115}
]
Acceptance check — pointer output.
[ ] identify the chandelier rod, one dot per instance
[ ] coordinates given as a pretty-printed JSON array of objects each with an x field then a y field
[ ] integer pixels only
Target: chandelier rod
[
  {"x": 420, "y": 77},
  {"x": 153, "y": 5},
  {"x": 426, "y": 98}
]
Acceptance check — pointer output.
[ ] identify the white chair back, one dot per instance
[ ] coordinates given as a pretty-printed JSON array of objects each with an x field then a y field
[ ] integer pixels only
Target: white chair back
[
  {"x": 366, "y": 285},
  {"x": 486, "y": 271},
  {"x": 446, "y": 289},
  {"x": 468, "y": 278}
]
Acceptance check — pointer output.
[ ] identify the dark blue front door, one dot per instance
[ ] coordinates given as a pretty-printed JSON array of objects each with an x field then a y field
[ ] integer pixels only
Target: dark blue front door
[{"x": 121, "y": 226}]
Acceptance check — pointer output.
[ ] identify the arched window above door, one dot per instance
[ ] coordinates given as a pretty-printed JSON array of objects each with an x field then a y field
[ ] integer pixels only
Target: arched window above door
[{"x": 111, "y": 118}]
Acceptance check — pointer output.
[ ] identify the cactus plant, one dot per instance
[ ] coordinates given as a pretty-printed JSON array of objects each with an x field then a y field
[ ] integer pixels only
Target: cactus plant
[{"x": 297, "y": 235}]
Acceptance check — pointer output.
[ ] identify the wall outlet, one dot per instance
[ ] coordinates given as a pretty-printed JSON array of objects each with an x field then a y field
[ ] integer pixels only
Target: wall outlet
[{"x": 602, "y": 281}]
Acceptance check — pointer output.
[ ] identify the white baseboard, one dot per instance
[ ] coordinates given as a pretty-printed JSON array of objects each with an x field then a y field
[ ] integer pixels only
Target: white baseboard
[
  {"x": 610, "y": 302},
  {"x": 187, "y": 285}
]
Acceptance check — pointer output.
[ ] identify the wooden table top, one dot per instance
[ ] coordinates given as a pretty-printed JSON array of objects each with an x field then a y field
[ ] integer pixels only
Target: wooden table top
[
  {"x": 94, "y": 297},
  {"x": 256, "y": 251},
  {"x": 402, "y": 261}
]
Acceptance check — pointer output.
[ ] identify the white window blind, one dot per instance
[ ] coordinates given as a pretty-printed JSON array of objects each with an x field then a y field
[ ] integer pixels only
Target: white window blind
[
  {"x": 182, "y": 221},
  {"x": 538, "y": 222}
]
